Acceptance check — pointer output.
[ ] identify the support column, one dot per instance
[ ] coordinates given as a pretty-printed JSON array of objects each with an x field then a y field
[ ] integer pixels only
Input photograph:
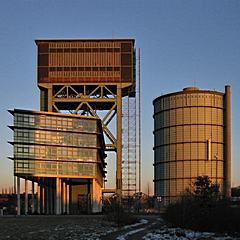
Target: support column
[
  {"x": 64, "y": 197},
  {"x": 42, "y": 198},
  {"x": 50, "y": 98},
  {"x": 89, "y": 200},
  {"x": 96, "y": 196},
  {"x": 33, "y": 198},
  {"x": 227, "y": 141},
  {"x": 47, "y": 198},
  {"x": 55, "y": 196},
  {"x": 119, "y": 142},
  {"x": 46, "y": 93},
  {"x": 26, "y": 196},
  {"x": 58, "y": 196},
  {"x": 61, "y": 196},
  {"x": 38, "y": 198},
  {"x": 68, "y": 192},
  {"x": 18, "y": 197},
  {"x": 50, "y": 197}
]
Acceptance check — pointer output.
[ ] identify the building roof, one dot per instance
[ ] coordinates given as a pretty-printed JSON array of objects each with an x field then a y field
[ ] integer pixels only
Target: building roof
[
  {"x": 68, "y": 115},
  {"x": 84, "y": 40},
  {"x": 188, "y": 90}
]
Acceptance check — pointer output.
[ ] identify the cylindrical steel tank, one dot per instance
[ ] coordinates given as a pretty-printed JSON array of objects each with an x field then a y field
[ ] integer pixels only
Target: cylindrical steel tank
[{"x": 191, "y": 138}]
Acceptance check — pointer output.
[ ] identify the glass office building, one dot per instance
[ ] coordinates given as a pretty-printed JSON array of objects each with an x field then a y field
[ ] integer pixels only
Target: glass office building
[
  {"x": 64, "y": 155},
  {"x": 191, "y": 138}
]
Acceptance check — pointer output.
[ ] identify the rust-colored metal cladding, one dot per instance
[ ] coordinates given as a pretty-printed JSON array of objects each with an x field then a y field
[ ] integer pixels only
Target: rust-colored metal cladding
[{"x": 86, "y": 60}]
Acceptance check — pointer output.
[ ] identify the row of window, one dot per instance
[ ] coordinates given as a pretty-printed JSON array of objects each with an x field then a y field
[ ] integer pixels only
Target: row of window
[
  {"x": 188, "y": 133},
  {"x": 52, "y": 122},
  {"x": 81, "y": 44},
  {"x": 82, "y": 50},
  {"x": 84, "y": 73},
  {"x": 56, "y": 168},
  {"x": 84, "y": 46},
  {"x": 76, "y": 69},
  {"x": 189, "y": 115},
  {"x": 193, "y": 99},
  {"x": 53, "y": 152},
  {"x": 188, "y": 151},
  {"x": 55, "y": 138}
]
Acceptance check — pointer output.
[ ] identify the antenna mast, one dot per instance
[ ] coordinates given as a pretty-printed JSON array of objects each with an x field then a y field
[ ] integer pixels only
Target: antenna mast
[{"x": 139, "y": 122}]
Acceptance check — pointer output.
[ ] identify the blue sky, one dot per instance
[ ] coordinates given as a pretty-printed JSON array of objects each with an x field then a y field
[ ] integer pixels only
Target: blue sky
[{"x": 182, "y": 42}]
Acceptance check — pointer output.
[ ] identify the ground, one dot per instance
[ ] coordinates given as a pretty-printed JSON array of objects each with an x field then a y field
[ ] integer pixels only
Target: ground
[{"x": 149, "y": 227}]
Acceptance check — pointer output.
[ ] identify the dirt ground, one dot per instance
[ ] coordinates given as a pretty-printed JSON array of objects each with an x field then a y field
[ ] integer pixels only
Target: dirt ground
[
  {"x": 54, "y": 227},
  {"x": 95, "y": 227}
]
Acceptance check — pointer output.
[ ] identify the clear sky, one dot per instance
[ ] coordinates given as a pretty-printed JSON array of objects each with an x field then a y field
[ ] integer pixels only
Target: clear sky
[{"x": 182, "y": 42}]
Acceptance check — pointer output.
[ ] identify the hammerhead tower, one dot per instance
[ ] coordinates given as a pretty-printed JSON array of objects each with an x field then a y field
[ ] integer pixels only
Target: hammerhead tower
[{"x": 89, "y": 77}]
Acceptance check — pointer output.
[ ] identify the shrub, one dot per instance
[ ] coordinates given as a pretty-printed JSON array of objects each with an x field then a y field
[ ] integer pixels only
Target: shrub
[
  {"x": 202, "y": 209},
  {"x": 115, "y": 212}
]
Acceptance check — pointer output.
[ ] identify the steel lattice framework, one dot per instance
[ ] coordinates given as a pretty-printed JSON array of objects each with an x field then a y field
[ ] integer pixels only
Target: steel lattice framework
[{"x": 129, "y": 164}]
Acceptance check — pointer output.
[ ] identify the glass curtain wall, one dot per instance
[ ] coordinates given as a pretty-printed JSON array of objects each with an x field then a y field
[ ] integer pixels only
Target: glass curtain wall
[{"x": 56, "y": 145}]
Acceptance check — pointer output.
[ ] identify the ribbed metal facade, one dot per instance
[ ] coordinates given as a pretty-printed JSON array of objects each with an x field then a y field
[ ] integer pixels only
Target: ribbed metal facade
[
  {"x": 86, "y": 60},
  {"x": 189, "y": 140}
]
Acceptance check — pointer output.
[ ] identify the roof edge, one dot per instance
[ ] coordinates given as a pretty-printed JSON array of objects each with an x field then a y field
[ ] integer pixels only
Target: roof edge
[
  {"x": 188, "y": 92},
  {"x": 82, "y": 39},
  {"x": 52, "y": 113}
]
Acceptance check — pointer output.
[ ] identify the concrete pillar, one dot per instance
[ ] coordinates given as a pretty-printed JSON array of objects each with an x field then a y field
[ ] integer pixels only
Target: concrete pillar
[
  {"x": 89, "y": 203},
  {"x": 64, "y": 197},
  {"x": 119, "y": 141},
  {"x": 18, "y": 197},
  {"x": 38, "y": 198},
  {"x": 96, "y": 196},
  {"x": 58, "y": 196},
  {"x": 33, "y": 198},
  {"x": 67, "y": 200},
  {"x": 55, "y": 196},
  {"x": 26, "y": 196},
  {"x": 42, "y": 199},
  {"x": 50, "y": 195},
  {"x": 228, "y": 141},
  {"x": 47, "y": 199},
  {"x": 70, "y": 198}
]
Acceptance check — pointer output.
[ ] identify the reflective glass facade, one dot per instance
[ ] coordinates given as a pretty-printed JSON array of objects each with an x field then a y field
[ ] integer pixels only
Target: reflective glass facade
[
  {"x": 50, "y": 144},
  {"x": 188, "y": 140}
]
